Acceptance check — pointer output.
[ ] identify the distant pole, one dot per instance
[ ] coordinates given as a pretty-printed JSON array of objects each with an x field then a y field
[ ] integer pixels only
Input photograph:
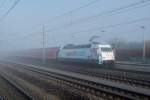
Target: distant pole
[
  {"x": 43, "y": 44},
  {"x": 144, "y": 45}
]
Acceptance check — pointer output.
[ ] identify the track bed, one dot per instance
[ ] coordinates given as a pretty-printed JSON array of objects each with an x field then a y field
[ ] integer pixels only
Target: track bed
[{"x": 9, "y": 92}]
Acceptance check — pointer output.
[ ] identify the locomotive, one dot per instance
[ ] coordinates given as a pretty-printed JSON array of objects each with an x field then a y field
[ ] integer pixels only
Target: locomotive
[{"x": 90, "y": 53}]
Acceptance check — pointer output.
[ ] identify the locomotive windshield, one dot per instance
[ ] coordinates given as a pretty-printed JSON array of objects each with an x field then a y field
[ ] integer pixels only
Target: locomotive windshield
[{"x": 106, "y": 49}]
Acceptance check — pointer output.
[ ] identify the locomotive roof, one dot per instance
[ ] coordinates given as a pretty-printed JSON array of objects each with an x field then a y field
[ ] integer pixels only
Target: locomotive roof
[
  {"x": 72, "y": 46},
  {"x": 77, "y": 46}
]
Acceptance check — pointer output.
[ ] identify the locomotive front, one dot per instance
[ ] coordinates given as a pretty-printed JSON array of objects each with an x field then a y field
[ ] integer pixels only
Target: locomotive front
[{"x": 105, "y": 54}]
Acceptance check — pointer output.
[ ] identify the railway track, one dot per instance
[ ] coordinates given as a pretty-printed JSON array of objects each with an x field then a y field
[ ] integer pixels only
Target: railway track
[
  {"x": 122, "y": 76},
  {"x": 101, "y": 88},
  {"x": 17, "y": 87},
  {"x": 135, "y": 64},
  {"x": 125, "y": 79}
]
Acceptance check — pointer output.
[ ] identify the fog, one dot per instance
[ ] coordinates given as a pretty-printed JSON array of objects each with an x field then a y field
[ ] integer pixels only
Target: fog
[{"x": 72, "y": 22}]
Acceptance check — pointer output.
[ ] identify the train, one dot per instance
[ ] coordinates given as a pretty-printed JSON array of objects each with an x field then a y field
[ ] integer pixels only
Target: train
[
  {"x": 89, "y": 53},
  {"x": 94, "y": 53}
]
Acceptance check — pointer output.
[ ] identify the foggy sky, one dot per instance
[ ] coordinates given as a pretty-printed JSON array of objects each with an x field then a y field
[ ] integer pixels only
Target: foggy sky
[{"x": 22, "y": 28}]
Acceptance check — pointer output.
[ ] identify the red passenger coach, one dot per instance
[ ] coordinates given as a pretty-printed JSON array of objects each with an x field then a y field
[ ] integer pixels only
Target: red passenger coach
[{"x": 52, "y": 53}]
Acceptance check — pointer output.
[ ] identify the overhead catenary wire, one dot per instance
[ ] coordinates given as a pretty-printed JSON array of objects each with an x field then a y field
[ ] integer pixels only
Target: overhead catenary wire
[
  {"x": 90, "y": 17},
  {"x": 78, "y": 21},
  {"x": 9, "y": 10},
  {"x": 108, "y": 32},
  {"x": 73, "y": 10},
  {"x": 93, "y": 29},
  {"x": 133, "y": 8},
  {"x": 112, "y": 25},
  {"x": 120, "y": 8},
  {"x": 101, "y": 28},
  {"x": 89, "y": 29},
  {"x": 51, "y": 30},
  {"x": 114, "y": 11},
  {"x": 68, "y": 12}
]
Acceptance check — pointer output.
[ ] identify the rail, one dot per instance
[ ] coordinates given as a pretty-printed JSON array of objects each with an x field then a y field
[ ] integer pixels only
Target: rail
[
  {"x": 18, "y": 88},
  {"x": 109, "y": 90},
  {"x": 130, "y": 63}
]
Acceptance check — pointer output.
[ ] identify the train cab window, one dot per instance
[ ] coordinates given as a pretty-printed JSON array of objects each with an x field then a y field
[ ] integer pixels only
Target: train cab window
[{"x": 106, "y": 49}]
